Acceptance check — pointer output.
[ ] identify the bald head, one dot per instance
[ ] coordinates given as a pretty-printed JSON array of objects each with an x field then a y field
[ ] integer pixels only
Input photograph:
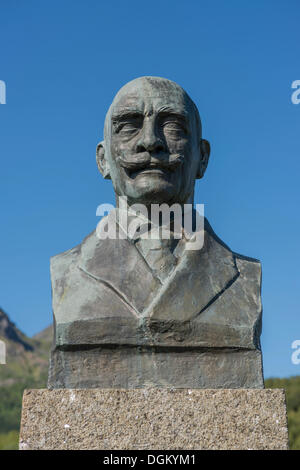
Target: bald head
[
  {"x": 153, "y": 148},
  {"x": 153, "y": 87}
]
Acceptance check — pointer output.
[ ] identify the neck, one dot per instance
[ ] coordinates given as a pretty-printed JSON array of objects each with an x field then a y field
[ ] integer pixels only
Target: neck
[
  {"x": 148, "y": 209},
  {"x": 173, "y": 215}
]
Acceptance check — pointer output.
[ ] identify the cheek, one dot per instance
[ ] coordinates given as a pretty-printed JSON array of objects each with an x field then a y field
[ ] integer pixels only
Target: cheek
[
  {"x": 114, "y": 148},
  {"x": 188, "y": 169},
  {"x": 177, "y": 145},
  {"x": 123, "y": 146}
]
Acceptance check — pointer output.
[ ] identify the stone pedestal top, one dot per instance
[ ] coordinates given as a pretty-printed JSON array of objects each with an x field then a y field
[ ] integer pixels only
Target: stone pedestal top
[{"x": 152, "y": 419}]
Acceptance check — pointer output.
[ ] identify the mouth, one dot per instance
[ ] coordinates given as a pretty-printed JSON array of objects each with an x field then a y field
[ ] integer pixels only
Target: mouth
[{"x": 149, "y": 170}]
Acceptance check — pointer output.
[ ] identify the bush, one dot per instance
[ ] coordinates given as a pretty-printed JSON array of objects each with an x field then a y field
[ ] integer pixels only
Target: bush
[
  {"x": 9, "y": 441},
  {"x": 292, "y": 390}
]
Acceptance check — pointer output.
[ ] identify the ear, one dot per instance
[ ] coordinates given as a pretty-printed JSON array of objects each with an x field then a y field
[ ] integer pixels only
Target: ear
[
  {"x": 204, "y": 148},
  {"x": 101, "y": 161}
]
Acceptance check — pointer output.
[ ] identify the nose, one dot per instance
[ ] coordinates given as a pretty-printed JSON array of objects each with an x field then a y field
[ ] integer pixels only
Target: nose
[{"x": 149, "y": 140}]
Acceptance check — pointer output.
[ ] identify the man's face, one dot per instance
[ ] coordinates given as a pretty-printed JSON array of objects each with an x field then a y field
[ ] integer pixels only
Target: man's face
[{"x": 153, "y": 152}]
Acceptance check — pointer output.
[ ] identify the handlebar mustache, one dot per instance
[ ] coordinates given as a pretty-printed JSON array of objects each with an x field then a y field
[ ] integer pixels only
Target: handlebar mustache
[{"x": 142, "y": 160}]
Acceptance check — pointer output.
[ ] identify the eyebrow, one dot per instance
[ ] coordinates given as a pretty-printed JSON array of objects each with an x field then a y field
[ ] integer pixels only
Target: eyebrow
[
  {"x": 177, "y": 112},
  {"x": 126, "y": 112}
]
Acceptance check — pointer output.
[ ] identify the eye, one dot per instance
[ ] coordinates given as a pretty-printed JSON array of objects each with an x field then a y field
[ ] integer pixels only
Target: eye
[
  {"x": 128, "y": 125},
  {"x": 128, "y": 128},
  {"x": 174, "y": 127}
]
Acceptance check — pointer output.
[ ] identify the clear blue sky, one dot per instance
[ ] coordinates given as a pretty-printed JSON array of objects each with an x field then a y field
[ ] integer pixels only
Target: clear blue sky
[{"x": 63, "y": 61}]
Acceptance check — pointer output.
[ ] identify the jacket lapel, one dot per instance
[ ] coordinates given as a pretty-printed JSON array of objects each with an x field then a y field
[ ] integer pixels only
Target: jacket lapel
[
  {"x": 118, "y": 265},
  {"x": 200, "y": 277}
]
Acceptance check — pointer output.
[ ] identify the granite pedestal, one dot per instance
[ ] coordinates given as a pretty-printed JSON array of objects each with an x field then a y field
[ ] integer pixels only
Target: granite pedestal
[{"x": 154, "y": 419}]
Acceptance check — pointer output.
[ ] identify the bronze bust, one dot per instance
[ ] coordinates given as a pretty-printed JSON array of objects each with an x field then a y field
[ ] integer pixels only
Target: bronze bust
[{"x": 131, "y": 312}]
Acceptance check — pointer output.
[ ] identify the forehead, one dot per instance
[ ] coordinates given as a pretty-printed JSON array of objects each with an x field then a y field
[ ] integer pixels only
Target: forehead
[{"x": 145, "y": 96}]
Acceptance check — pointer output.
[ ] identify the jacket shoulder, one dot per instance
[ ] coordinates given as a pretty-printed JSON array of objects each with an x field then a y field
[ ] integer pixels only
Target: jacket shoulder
[
  {"x": 62, "y": 262},
  {"x": 250, "y": 268}
]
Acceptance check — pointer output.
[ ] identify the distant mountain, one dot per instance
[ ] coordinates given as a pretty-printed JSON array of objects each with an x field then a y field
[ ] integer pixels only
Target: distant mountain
[
  {"x": 26, "y": 358},
  {"x": 10, "y": 333},
  {"x": 45, "y": 335},
  {"x": 26, "y": 366}
]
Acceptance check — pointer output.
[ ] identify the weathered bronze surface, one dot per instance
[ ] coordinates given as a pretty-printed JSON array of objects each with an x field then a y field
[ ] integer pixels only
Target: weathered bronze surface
[{"x": 132, "y": 312}]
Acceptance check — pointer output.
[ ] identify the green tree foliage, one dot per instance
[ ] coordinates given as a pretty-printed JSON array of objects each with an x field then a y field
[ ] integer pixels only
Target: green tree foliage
[
  {"x": 292, "y": 389},
  {"x": 9, "y": 441},
  {"x": 26, "y": 367},
  {"x": 11, "y": 404}
]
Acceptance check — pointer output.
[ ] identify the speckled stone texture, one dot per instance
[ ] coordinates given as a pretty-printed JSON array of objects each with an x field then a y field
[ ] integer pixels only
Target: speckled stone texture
[{"x": 154, "y": 419}]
